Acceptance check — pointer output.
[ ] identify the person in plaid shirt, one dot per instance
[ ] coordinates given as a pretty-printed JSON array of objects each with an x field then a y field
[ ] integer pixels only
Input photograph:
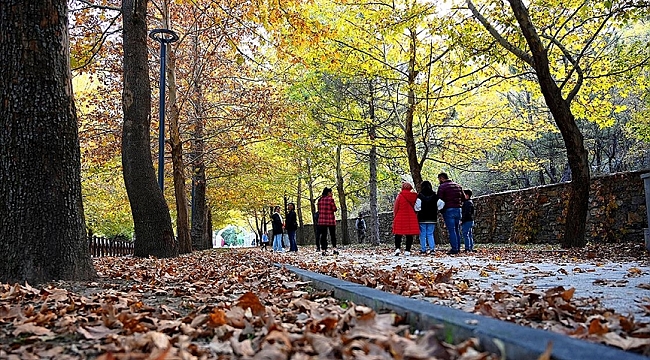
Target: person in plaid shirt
[{"x": 326, "y": 220}]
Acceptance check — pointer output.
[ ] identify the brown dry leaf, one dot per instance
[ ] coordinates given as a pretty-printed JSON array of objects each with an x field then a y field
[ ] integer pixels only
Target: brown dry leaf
[
  {"x": 30, "y": 328},
  {"x": 199, "y": 320},
  {"x": 158, "y": 339},
  {"x": 217, "y": 318},
  {"x": 568, "y": 294},
  {"x": 443, "y": 277},
  {"x": 596, "y": 328},
  {"x": 250, "y": 300},
  {"x": 628, "y": 343},
  {"x": 95, "y": 332}
]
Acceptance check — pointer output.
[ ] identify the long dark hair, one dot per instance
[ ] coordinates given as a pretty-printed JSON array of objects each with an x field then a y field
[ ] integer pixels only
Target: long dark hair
[
  {"x": 326, "y": 191},
  {"x": 426, "y": 188}
]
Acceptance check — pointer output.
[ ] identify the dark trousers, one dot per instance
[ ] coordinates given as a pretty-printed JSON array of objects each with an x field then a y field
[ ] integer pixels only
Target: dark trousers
[
  {"x": 409, "y": 242},
  {"x": 322, "y": 230}
]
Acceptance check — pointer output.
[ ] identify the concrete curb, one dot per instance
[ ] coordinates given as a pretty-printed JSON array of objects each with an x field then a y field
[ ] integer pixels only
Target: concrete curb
[{"x": 519, "y": 342}]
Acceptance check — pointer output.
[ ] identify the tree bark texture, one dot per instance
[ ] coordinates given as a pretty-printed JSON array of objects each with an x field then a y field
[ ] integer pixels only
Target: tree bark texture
[
  {"x": 42, "y": 227},
  {"x": 300, "y": 235},
  {"x": 151, "y": 219},
  {"x": 411, "y": 150},
  {"x": 198, "y": 165},
  {"x": 182, "y": 215},
  {"x": 198, "y": 181},
  {"x": 574, "y": 234},
  {"x": 342, "y": 198},
  {"x": 372, "y": 181}
]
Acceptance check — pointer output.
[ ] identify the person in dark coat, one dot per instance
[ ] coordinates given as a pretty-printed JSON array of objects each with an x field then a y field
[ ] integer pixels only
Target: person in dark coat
[
  {"x": 426, "y": 207},
  {"x": 452, "y": 194},
  {"x": 291, "y": 225},
  {"x": 276, "y": 223},
  {"x": 467, "y": 221}
]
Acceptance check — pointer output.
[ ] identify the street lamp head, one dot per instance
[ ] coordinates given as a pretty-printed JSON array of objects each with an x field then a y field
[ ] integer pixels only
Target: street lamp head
[{"x": 163, "y": 36}]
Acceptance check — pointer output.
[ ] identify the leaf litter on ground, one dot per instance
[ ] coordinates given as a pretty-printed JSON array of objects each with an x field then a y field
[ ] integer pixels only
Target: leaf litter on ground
[
  {"x": 206, "y": 305},
  {"x": 556, "y": 309}
]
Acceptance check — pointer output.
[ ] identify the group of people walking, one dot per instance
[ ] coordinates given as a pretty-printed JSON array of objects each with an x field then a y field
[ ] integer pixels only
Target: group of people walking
[
  {"x": 414, "y": 214},
  {"x": 417, "y": 213}
]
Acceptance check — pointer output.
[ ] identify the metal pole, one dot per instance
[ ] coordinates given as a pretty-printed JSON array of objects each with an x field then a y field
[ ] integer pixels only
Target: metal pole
[
  {"x": 161, "y": 129},
  {"x": 164, "y": 37}
]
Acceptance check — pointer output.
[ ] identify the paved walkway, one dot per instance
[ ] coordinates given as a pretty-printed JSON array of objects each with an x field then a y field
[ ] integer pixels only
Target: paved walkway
[{"x": 623, "y": 286}]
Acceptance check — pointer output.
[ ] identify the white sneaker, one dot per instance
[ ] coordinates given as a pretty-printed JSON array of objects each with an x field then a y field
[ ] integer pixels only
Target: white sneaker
[
  {"x": 407, "y": 253},
  {"x": 396, "y": 252}
]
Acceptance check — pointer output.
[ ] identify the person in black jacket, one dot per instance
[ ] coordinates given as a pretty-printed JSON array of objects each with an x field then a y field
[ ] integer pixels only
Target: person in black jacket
[
  {"x": 276, "y": 222},
  {"x": 291, "y": 225},
  {"x": 467, "y": 221},
  {"x": 426, "y": 206}
]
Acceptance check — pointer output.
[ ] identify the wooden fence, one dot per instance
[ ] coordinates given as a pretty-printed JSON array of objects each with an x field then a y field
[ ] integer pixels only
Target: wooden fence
[{"x": 101, "y": 246}]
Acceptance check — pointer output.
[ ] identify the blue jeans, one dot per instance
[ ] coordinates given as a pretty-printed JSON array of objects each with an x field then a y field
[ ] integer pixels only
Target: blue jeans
[
  {"x": 426, "y": 236},
  {"x": 292, "y": 240},
  {"x": 452, "y": 222},
  {"x": 468, "y": 234},
  {"x": 277, "y": 242}
]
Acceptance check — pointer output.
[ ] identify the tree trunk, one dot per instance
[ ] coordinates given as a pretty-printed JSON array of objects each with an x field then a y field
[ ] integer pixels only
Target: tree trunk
[
  {"x": 198, "y": 166},
  {"x": 411, "y": 150},
  {"x": 345, "y": 237},
  {"x": 151, "y": 219},
  {"x": 576, "y": 218},
  {"x": 42, "y": 227},
  {"x": 312, "y": 198},
  {"x": 300, "y": 236},
  {"x": 207, "y": 229},
  {"x": 372, "y": 182},
  {"x": 182, "y": 217}
]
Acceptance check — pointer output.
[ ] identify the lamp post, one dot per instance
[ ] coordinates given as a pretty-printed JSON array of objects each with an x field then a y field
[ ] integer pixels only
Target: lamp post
[{"x": 164, "y": 37}]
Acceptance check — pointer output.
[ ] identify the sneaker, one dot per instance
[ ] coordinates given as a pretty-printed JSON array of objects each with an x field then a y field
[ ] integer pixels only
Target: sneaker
[
  {"x": 452, "y": 252},
  {"x": 396, "y": 252},
  {"x": 335, "y": 252},
  {"x": 324, "y": 253},
  {"x": 407, "y": 253}
]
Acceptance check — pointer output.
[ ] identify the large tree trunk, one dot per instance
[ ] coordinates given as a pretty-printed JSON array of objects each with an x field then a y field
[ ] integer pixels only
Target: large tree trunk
[
  {"x": 411, "y": 150},
  {"x": 340, "y": 188},
  {"x": 576, "y": 218},
  {"x": 372, "y": 163},
  {"x": 42, "y": 229},
  {"x": 151, "y": 219},
  {"x": 198, "y": 166}
]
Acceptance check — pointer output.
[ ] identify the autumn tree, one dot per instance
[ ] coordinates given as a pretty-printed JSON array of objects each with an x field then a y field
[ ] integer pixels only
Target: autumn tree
[
  {"x": 42, "y": 232},
  {"x": 563, "y": 45},
  {"x": 151, "y": 218}
]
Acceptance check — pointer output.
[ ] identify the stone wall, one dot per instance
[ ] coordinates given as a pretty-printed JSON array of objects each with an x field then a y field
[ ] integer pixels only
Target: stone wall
[{"x": 617, "y": 213}]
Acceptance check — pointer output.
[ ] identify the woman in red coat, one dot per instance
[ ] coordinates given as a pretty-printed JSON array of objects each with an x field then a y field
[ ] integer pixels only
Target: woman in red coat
[{"x": 405, "y": 221}]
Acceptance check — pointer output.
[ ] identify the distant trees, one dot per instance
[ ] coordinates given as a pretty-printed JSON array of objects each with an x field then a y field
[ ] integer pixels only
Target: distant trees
[{"x": 42, "y": 229}]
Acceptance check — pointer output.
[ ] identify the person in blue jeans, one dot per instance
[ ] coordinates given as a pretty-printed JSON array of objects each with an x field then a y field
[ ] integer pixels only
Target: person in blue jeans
[
  {"x": 452, "y": 194},
  {"x": 278, "y": 229},
  {"x": 467, "y": 221},
  {"x": 426, "y": 207},
  {"x": 291, "y": 225}
]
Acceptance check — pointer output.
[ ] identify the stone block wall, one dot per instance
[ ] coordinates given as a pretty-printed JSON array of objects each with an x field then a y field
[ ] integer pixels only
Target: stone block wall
[{"x": 617, "y": 213}]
